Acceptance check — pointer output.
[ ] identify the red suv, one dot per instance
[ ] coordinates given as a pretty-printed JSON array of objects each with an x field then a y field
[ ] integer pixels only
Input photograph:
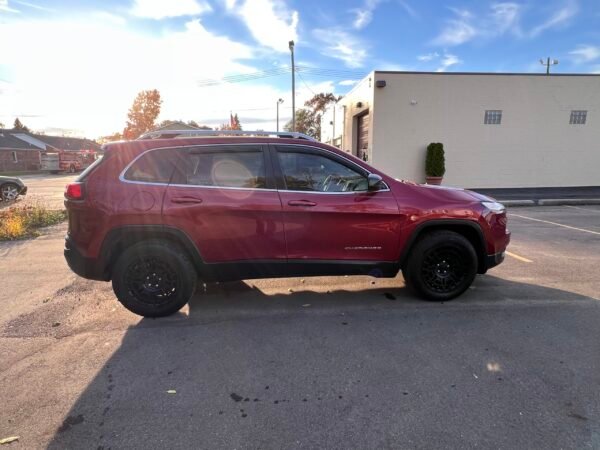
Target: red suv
[{"x": 156, "y": 214}]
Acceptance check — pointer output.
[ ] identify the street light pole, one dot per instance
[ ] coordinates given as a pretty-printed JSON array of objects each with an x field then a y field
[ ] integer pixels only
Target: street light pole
[
  {"x": 291, "y": 45},
  {"x": 280, "y": 101},
  {"x": 548, "y": 63}
]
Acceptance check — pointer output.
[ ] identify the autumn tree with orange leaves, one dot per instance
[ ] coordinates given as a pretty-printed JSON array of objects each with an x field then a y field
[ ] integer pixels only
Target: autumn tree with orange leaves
[{"x": 142, "y": 115}]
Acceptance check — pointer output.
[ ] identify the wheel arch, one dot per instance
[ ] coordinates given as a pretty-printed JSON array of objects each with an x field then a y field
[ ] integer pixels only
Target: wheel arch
[
  {"x": 467, "y": 228},
  {"x": 119, "y": 239}
]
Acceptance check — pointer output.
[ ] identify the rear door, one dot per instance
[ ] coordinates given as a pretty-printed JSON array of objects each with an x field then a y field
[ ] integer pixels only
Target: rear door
[
  {"x": 328, "y": 213},
  {"x": 224, "y": 198}
]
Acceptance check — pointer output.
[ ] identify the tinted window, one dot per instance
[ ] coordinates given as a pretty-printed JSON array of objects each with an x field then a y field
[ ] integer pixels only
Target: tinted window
[
  {"x": 311, "y": 172},
  {"x": 240, "y": 169},
  {"x": 155, "y": 166}
]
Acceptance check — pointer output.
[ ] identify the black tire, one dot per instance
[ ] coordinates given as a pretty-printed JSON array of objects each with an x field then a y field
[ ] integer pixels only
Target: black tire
[
  {"x": 441, "y": 266},
  {"x": 154, "y": 278},
  {"x": 9, "y": 191},
  {"x": 71, "y": 168}
]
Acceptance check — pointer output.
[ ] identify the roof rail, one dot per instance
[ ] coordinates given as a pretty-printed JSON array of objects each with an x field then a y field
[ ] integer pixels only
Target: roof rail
[{"x": 202, "y": 133}]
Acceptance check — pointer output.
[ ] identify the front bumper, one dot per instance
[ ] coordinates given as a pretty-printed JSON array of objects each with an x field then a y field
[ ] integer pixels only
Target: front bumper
[
  {"x": 494, "y": 260},
  {"x": 89, "y": 268}
]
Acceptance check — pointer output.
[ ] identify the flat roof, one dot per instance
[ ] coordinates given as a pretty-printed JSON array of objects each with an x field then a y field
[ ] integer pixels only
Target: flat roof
[{"x": 492, "y": 73}]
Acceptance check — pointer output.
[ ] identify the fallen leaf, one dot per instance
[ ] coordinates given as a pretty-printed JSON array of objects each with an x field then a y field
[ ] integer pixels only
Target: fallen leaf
[
  {"x": 8, "y": 440},
  {"x": 171, "y": 391},
  {"x": 306, "y": 305}
]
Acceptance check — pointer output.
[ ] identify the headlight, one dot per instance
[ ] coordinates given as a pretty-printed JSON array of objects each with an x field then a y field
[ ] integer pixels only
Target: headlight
[{"x": 494, "y": 206}]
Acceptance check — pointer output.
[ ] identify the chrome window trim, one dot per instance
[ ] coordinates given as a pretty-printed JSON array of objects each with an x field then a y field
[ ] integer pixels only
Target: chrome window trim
[
  {"x": 150, "y": 183},
  {"x": 352, "y": 163}
]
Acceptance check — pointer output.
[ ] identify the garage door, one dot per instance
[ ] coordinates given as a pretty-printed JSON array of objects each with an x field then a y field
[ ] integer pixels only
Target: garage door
[{"x": 362, "y": 147}]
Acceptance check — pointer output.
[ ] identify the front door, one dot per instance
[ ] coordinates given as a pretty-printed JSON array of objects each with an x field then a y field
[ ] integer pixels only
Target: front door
[
  {"x": 328, "y": 213},
  {"x": 222, "y": 196},
  {"x": 362, "y": 144}
]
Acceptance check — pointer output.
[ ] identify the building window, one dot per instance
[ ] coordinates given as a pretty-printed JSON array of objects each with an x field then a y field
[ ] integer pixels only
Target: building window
[
  {"x": 15, "y": 158},
  {"x": 578, "y": 117},
  {"x": 493, "y": 117}
]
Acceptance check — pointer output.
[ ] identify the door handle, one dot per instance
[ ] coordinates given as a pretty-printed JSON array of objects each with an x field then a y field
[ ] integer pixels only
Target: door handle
[
  {"x": 186, "y": 200},
  {"x": 301, "y": 203}
]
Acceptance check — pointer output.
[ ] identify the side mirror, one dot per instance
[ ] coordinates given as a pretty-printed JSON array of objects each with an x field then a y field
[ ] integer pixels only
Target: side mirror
[{"x": 374, "y": 182}]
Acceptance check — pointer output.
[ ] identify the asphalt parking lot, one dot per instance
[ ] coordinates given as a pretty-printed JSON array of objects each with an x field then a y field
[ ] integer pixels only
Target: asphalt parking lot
[{"x": 336, "y": 362}]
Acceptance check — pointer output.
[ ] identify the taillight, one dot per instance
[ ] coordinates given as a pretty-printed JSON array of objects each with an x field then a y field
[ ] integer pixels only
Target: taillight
[{"x": 75, "y": 191}]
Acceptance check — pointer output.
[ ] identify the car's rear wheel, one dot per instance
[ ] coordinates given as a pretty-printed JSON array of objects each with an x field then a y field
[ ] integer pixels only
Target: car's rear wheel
[
  {"x": 10, "y": 192},
  {"x": 154, "y": 279},
  {"x": 441, "y": 266}
]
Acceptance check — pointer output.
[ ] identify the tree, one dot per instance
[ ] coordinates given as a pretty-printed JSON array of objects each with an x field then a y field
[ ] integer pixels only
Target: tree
[
  {"x": 142, "y": 114},
  {"x": 18, "y": 126},
  {"x": 308, "y": 120},
  {"x": 191, "y": 123},
  {"x": 234, "y": 123},
  {"x": 111, "y": 138},
  {"x": 1, "y": 125}
]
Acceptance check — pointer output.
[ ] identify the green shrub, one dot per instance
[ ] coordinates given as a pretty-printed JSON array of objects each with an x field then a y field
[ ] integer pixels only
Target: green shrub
[{"x": 435, "y": 163}]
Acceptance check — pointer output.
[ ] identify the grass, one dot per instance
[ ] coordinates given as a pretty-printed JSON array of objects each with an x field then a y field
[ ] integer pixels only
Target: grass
[{"x": 22, "y": 222}]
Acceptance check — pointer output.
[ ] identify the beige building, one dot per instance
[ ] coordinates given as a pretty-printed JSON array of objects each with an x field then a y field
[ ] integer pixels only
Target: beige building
[{"x": 498, "y": 130}]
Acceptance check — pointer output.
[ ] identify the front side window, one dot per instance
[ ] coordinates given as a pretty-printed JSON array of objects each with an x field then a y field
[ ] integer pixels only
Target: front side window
[
  {"x": 578, "y": 117},
  {"x": 312, "y": 172},
  {"x": 226, "y": 168},
  {"x": 493, "y": 117}
]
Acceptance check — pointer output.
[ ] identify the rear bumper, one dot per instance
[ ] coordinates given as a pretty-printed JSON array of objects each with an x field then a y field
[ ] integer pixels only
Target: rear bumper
[{"x": 89, "y": 268}]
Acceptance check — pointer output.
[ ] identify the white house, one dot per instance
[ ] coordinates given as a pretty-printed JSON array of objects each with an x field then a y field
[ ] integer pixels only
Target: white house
[{"x": 498, "y": 130}]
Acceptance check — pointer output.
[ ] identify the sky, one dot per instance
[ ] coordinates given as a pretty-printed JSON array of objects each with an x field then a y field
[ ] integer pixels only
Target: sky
[{"x": 73, "y": 67}]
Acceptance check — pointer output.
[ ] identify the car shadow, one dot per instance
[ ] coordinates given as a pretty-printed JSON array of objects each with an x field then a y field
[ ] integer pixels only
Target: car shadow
[{"x": 367, "y": 368}]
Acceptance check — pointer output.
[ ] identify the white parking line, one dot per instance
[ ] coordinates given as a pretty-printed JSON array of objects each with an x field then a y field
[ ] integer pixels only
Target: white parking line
[{"x": 557, "y": 224}]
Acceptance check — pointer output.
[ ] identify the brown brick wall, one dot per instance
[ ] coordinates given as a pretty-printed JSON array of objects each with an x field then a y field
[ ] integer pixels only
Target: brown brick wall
[{"x": 27, "y": 160}]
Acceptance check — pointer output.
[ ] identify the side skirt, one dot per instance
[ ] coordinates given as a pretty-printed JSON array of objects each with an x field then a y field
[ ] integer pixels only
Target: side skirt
[{"x": 241, "y": 270}]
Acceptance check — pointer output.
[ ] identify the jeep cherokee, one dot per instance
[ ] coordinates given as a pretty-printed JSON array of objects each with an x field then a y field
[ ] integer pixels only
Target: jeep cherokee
[{"x": 154, "y": 215}]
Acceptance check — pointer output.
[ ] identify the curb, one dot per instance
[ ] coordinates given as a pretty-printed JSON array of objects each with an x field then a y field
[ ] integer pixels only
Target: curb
[
  {"x": 517, "y": 202},
  {"x": 569, "y": 201},
  {"x": 551, "y": 202}
]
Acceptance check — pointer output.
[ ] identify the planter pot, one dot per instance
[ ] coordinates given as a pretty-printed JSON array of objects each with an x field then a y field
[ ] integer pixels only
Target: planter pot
[{"x": 434, "y": 180}]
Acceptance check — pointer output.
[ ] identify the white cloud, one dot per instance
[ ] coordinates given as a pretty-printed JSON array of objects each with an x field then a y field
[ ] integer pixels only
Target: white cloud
[
  {"x": 33, "y": 5},
  {"x": 448, "y": 61},
  {"x": 109, "y": 17},
  {"x": 428, "y": 57},
  {"x": 506, "y": 17},
  {"x": 559, "y": 18},
  {"x": 270, "y": 22},
  {"x": 348, "y": 82},
  {"x": 5, "y": 8},
  {"x": 409, "y": 9},
  {"x": 81, "y": 97},
  {"x": 341, "y": 45},
  {"x": 585, "y": 53},
  {"x": 364, "y": 15},
  {"x": 160, "y": 9},
  {"x": 458, "y": 30}
]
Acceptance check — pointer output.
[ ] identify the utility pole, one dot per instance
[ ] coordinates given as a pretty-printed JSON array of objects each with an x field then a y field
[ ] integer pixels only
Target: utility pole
[
  {"x": 279, "y": 102},
  {"x": 548, "y": 63},
  {"x": 291, "y": 45}
]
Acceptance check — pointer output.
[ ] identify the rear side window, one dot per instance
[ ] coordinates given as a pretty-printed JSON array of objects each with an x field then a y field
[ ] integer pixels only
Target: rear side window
[
  {"x": 155, "y": 166},
  {"x": 90, "y": 169},
  {"x": 226, "y": 168}
]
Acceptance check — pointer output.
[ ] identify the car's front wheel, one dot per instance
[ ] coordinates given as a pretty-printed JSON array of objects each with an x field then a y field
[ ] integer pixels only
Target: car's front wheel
[
  {"x": 441, "y": 266},
  {"x": 154, "y": 278}
]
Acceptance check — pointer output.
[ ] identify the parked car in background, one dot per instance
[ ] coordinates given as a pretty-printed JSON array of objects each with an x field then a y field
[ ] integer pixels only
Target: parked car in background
[
  {"x": 155, "y": 215},
  {"x": 11, "y": 188}
]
